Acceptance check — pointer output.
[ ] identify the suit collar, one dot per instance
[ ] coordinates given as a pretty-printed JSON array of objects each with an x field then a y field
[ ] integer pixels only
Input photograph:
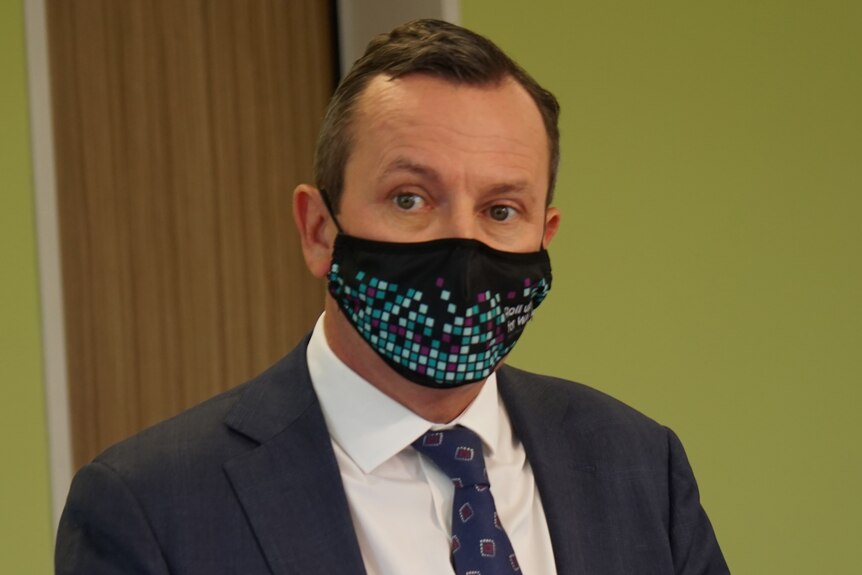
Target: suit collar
[
  {"x": 289, "y": 485},
  {"x": 275, "y": 399},
  {"x": 544, "y": 417}
]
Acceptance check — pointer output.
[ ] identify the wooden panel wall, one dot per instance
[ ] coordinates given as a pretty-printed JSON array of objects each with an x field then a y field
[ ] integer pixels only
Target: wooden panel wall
[{"x": 182, "y": 127}]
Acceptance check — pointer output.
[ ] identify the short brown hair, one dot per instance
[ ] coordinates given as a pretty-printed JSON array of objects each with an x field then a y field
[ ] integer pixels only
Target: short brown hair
[{"x": 431, "y": 47}]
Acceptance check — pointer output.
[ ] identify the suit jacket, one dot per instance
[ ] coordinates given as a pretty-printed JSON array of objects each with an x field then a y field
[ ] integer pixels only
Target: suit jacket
[{"x": 247, "y": 483}]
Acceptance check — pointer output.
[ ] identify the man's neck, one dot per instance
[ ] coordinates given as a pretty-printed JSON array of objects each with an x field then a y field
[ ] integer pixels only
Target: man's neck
[{"x": 437, "y": 405}]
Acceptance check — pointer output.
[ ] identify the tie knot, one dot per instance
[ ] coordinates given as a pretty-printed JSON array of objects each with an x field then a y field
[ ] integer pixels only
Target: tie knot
[{"x": 457, "y": 452}]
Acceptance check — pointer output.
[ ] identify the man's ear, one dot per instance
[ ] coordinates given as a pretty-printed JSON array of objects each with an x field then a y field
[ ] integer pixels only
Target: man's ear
[
  {"x": 552, "y": 224},
  {"x": 316, "y": 228}
]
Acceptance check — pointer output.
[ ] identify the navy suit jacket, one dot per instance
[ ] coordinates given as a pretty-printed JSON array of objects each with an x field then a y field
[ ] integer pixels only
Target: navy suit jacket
[{"x": 247, "y": 483}]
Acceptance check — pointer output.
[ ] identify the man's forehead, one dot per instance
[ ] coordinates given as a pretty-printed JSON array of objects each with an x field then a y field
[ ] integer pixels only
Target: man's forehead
[{"x": 418, "y": 93}]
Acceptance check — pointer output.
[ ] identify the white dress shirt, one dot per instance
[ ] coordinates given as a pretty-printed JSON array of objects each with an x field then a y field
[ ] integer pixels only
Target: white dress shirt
[{"x": 400, "y": 502}]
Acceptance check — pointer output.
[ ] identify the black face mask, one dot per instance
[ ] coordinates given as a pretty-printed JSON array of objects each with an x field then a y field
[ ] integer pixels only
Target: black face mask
[{"x": 441, "y": 313}]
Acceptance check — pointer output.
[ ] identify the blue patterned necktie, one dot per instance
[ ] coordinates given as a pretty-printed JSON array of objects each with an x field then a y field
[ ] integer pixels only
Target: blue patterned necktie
[{"x": 479, "y": 544}]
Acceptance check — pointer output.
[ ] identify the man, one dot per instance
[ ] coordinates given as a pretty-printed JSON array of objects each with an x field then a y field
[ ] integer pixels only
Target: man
[{"x": 430, "y": 219}]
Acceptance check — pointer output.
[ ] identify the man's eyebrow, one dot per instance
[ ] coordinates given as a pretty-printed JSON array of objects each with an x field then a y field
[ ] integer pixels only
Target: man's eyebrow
[
  {"x": 514, "y": 187},
  {"x": 401, "y": 165},
  {"x": 412, "y": 167}
]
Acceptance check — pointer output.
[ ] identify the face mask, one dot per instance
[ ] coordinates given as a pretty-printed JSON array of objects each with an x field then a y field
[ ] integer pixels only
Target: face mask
[{"x": 441, "y": 313}]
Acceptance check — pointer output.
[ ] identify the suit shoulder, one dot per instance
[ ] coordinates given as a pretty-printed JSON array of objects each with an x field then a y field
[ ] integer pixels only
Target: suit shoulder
[
  {"x": 607, "y": 433},
  {"x": 593, "y": 408},
  {"x": 190, "y": 435},
  {"x": 220, "y": 427}
]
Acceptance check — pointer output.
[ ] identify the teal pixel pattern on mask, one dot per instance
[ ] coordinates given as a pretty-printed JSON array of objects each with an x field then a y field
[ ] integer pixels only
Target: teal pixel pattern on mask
[{"x": 427, "y": 333}]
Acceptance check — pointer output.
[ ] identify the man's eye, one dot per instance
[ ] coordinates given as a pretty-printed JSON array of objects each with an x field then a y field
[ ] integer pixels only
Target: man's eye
[
  {"x": 408, "y": 201},
  {"x": 501, "y": 213}
]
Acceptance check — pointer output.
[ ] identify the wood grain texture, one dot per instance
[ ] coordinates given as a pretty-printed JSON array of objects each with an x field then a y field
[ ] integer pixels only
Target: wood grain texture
[{"x": 181, "y": 128}]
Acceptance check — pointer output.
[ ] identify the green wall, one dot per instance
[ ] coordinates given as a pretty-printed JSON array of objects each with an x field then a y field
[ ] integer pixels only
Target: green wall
[
  {"x": 25, "y": 515},
  {"x": 708, "y": 266}
]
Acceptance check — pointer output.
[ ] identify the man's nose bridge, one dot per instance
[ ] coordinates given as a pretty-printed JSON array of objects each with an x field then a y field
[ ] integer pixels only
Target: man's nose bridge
[{"x": 463, "y": 221}]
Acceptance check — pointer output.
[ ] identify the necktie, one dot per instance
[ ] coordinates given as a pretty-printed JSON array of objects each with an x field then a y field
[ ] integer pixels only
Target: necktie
[{"x": 479, "y": 545}]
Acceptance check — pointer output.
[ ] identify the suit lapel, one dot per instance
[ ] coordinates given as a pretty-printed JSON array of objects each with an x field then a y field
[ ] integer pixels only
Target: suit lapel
[
  {"x": 290, "y": 486},
  {"x": 543, "y": 419}
]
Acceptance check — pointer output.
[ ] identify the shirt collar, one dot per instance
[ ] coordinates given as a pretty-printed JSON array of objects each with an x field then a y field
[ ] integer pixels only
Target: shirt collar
[{"x": 370, "y": 426}]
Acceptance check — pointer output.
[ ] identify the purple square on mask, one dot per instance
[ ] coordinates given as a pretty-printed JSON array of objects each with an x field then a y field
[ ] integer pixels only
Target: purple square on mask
[
  {"x": 510, "y": 295},
  {"x": 439, "y": 282},
  {"x": 481, "y": 297}
]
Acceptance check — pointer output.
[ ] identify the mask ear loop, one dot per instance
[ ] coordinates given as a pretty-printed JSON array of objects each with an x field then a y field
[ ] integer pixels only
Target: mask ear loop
[{"x": 328, "y": 203}]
